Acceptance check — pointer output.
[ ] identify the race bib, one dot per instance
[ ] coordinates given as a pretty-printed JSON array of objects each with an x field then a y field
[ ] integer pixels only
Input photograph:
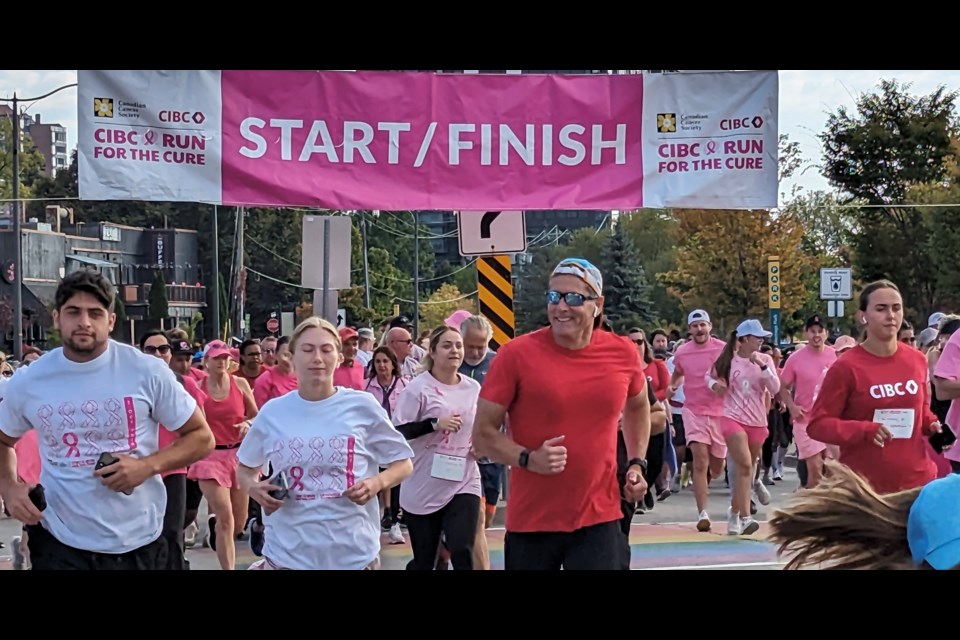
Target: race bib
[
  {"x": 899, "y": 422},
  {"x": 446, "y": 467}
]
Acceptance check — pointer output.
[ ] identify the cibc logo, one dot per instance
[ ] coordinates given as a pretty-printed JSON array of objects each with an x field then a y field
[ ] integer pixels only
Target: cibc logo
[
  {"x": 880, "y": 391},
  {"x": 733, "y": 124},
  {"x": 170, "y": 115}
]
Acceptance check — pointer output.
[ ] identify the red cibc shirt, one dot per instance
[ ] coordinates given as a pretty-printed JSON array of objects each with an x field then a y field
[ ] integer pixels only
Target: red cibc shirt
[{"x": 862, "y": 390}]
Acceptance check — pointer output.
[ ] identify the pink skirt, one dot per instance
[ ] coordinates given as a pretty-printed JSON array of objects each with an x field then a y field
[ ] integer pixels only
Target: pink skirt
[{"x": 220, "y": 465}]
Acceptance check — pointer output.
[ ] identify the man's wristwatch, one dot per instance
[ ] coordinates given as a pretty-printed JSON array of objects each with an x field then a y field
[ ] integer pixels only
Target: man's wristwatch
[
  {"x": 524, "y": 459},
  {"x": 640, "y": 462}
]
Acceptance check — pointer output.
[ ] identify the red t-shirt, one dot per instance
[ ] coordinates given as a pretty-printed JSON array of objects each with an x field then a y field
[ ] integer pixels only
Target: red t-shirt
[
  {"x": 550, "y": 391},
  {"x": 658, "y": 377},
  {"x": 858, "y": 386}
]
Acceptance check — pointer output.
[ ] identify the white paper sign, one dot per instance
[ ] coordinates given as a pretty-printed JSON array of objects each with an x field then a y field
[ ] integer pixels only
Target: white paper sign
[
  {"x": 899, "y": 422},
  {"x": 448, "y": 467}
]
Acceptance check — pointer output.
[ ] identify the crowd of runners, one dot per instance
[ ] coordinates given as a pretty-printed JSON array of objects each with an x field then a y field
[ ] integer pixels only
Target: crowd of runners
[{"x": 317, "y": 446}]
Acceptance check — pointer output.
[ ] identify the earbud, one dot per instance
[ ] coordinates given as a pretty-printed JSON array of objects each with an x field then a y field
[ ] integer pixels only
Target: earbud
[
  {"x": 596, "y": 312},
  {"x": 863, "y": 320}
]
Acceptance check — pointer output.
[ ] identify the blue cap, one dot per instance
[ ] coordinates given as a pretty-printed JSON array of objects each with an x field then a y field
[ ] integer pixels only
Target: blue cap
[
  {"x": 933, "y": 527},
  {"x": 752, "y": 328}
]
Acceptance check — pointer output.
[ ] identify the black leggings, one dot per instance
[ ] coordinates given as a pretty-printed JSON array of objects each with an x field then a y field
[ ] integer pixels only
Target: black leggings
[
  {"x": 173, "y": 517},
  {"x": 654, "y": 460},
  {"x": 457, "y": 521}
]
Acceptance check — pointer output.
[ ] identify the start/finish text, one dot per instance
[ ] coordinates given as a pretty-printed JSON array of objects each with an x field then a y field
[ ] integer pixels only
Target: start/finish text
[{"x": 394, "y": 142}]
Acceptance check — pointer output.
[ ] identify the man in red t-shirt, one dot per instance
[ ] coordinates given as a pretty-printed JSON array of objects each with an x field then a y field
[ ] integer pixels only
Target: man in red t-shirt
[{"x": 565, "y": 387}]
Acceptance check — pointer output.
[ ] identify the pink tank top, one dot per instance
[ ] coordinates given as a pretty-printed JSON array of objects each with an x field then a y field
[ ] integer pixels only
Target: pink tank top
[{"x": 224, "y": 415}]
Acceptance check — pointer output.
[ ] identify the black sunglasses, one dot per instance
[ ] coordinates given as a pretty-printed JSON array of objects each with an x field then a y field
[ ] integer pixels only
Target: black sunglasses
[
  {"x": 6, "y": 373},
  {"x": 572, "y": 298},
  {"x": 164, "y": 349}
]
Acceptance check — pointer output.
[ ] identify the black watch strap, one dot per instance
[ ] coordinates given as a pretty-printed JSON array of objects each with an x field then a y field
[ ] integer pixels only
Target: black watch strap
[
  {"x": 524, "y": 459},
  {"x": 640, "y": 462}
]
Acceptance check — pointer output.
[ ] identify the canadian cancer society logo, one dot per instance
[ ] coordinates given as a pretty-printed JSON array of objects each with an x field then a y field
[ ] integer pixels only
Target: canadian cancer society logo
[
  {"x": 103, "y": 107},
  {"x": 667, "y": 122}
]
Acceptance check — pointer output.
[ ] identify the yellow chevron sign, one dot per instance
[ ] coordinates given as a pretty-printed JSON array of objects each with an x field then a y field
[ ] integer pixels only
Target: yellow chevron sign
[{"x": 496, "y": 297}]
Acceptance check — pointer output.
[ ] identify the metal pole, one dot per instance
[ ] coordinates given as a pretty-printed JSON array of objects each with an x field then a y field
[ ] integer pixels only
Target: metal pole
[
  {"x": 326, "y": 267},
  {"x": 366, "y": 264},
  {"x": 216, "y": 274},
  {"x": 416, "y": 274},
  {"x": 17, "y": 240}
]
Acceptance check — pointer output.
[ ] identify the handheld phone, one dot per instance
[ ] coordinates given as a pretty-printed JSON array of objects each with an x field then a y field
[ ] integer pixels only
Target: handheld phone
[
  {"x": 38, "y": 497},
  {"x": 281, "y": 481},
  {"x": 943, "y": 439},
  {"x": 106, "y": 459}
]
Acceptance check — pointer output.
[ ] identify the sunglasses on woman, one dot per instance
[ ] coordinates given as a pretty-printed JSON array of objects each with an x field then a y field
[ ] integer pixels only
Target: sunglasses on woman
[{"x": 572, "y": 298}]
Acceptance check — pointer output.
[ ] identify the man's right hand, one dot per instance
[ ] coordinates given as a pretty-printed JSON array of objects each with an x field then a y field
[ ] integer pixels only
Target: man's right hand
[
  {"x": 550, "y": 458},
  {"x": 16, "y": 497}
]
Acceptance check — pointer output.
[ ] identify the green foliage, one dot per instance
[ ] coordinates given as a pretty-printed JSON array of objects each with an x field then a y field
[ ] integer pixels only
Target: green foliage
[
  {"x": 158, "y": 298},
  {"x": 652, "y": 233},
  {"x": 31, "y": 162},
  {"x": 626, "y": 294}
]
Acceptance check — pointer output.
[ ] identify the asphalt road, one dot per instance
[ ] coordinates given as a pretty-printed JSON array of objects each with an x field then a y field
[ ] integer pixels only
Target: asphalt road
[{"x": 664, "y": 538}]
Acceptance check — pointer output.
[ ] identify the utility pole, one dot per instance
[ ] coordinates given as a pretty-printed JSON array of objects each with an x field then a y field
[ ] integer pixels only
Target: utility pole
[
  {"x": 366, "y": 263},
  {"x": 416, "y": 275},
  {"x": 216, "y": 275}
]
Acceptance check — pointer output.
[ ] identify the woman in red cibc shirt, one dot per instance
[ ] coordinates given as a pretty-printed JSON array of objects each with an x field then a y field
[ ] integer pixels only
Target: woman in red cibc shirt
[{"x": 874, "y": 403}]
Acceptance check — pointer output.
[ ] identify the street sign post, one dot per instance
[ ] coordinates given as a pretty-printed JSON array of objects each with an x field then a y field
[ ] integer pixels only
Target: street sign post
[
  {"x": 836, "y": 284},
  {"x": 774, "y": 296}
]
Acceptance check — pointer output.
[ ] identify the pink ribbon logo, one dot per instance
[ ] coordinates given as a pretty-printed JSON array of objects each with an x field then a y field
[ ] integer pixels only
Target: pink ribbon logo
[
  {"x": 149, "y": 136},
  {"x": 71, "y": 440},
  {"x": 297, "y": 474}
]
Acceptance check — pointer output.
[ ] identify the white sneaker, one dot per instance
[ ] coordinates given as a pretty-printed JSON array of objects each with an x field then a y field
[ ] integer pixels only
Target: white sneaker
[
  {"x": 762, "y": 493},
  {"x": 733, "y": 523},
  {"x": 778, "y": 473},
  {"x": 190, "y": 534},
  {"x": 748, "y": 526},
  {"x": 703, "y": 522},
  {"x": 396, "y": 536}
]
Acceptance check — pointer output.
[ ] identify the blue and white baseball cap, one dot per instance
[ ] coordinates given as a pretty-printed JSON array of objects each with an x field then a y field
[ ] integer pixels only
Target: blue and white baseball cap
[
  {"x": 582, "y": 269},
  {"x": 752, "y": 328},
  {"x": 933, "y": 526}
]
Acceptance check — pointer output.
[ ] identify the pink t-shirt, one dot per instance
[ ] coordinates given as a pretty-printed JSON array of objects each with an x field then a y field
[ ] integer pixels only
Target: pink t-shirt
[
  {"x": 273, "y": 384},
  {"x": 349, "y": 377},
  {"x": 746, "y": 398},
  {"x": 948, "y": 368},
  {"x": 427, "y": 397},
  {"x": 805, "y": 371},
  {"x": 695, "y": 362},
  {"x": 28, "y": 457},
  {"x": 166, "y": 437}
]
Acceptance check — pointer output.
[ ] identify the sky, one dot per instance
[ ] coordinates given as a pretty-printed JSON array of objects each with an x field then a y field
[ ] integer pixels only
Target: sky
[{"x": 805, "y": 99}]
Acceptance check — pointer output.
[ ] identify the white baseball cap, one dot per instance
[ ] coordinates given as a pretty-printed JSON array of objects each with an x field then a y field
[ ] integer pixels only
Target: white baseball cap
[
  {"x": 698, "y": 315},
  {"x": 935, "y": 319},
  {"x": 752, "y": 328}
]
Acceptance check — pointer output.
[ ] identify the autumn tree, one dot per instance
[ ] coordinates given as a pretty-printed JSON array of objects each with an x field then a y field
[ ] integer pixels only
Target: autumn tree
[
  {"x": 722, "y": 264},
  {"x": 441, "y": 304},
  {"x": 892, "y": 141},
  {"x": 626, "y": 294}
]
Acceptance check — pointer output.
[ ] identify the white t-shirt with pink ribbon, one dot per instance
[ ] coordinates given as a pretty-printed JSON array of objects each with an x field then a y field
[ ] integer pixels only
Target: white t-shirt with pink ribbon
[{"x": 324, "y": 447}]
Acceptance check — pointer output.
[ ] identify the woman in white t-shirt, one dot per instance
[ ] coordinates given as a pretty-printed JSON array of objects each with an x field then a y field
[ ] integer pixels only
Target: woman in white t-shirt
[
  {"x": 328, "y": 443},
  {"x": 442, "y": 496}
]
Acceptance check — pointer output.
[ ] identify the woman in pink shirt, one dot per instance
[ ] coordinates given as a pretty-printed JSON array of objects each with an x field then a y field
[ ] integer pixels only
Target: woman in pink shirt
[
  {"x": 442, "y": 497},
  {"x": 385, "y": 383},
  {"x": 747, "y": 379},
  {"x": 278, "y": 380}
]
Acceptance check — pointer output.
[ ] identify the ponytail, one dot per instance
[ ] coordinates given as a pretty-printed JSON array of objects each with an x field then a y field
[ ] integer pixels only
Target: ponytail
[
  {"x": 844, "y": 524},
  {"x": 722, "y": 365}
]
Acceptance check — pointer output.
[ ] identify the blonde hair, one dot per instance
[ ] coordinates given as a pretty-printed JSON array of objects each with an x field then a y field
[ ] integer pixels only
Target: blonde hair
[
  {"x": 844, "y": 524},
  {"x": 315, "y": 322},
  {"x": 426, "y": 364}
]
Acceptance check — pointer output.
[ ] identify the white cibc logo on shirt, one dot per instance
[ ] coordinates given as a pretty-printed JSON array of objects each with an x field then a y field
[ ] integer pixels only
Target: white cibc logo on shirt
[{"x": 880, "y": 391}]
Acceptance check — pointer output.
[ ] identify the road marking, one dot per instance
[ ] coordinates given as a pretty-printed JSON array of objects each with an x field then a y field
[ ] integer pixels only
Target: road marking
[{"x": 732, "y": 565}]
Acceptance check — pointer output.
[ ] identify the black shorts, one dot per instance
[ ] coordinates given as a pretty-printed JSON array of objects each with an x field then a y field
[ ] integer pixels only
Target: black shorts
[
  {"x": 490, "y": 478},
  {"x": 48, "y": 553},
  {"x": 194, "y": 495},
  {"x": 680, "y": 434}
]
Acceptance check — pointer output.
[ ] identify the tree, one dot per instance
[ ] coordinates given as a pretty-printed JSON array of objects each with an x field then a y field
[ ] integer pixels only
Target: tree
[
  {"x": 120, "y": 324},
  {"x": 653, "y": 233},
  {"x": 158, "y": 299},
  {"x": 722, "y": 263},
  {"x": 31, "y": 162},
  {"x": 441, "y": 304},
  {"x": 626, "y": 294},
  {"x": 893, "y": 141}
]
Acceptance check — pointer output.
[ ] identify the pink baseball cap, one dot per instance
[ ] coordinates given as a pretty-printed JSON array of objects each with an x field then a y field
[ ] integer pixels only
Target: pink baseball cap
[
  {"x": 216, "y": 349},
  {"x": 456, "y": 318},
  {"x": 843, "y": 343}
]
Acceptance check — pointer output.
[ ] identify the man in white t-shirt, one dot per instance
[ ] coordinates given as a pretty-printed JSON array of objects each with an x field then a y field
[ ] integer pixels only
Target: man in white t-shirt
[{"x": 95, "y": 402}]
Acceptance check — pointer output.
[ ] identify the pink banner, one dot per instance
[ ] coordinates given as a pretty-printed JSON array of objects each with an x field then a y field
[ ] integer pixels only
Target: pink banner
[{"x": 407, "y": 141}]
